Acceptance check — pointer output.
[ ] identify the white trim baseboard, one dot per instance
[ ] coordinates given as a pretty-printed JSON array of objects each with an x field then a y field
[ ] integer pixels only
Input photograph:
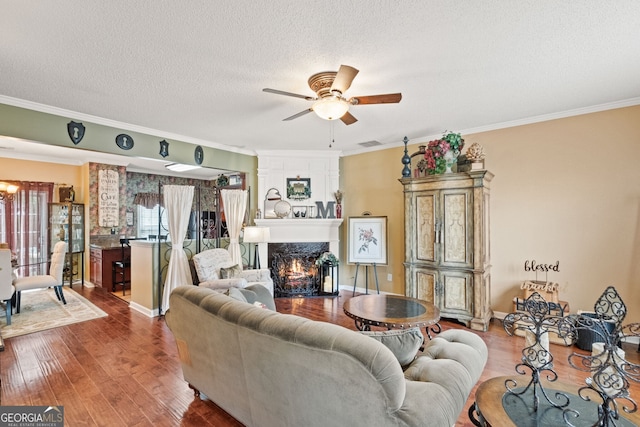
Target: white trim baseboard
[
  {"x": 363, "y": 290},
  {"x": 144, "y": 310}
]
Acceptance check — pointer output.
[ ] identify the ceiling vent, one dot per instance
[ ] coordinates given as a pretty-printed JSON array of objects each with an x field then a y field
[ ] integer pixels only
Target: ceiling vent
[{"x": 370, "y": 143}]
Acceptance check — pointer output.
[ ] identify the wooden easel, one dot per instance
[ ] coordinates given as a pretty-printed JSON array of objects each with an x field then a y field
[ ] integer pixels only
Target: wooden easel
[{"x": 366, "y": 278}]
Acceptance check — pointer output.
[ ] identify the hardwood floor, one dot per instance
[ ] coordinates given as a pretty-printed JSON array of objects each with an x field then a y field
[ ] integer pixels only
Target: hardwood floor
[{"x": 123, "y": 370}]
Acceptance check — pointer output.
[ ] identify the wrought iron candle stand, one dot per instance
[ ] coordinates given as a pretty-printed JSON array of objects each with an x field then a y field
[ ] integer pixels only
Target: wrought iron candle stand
[
  {"x": 611, "y": 373},
  {"x": 535, "y": 322}
]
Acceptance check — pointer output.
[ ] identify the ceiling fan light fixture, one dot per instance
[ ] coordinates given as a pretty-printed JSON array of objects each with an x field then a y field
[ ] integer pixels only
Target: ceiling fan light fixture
[{"x": 330, "y": 108}]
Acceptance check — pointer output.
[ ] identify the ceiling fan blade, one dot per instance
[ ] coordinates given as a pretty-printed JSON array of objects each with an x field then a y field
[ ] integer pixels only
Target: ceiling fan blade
[
  {"x": 343, "y": 79},
  {"x": 390, "y": 98},
  {"x": 348, "y": 119},
  {"x": 281, "y": 92},
  {"x": 295, "y": 116}
]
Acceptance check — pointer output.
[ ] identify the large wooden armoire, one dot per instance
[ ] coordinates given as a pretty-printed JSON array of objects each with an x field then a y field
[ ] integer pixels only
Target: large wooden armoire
[{"x": 447, "y": 257}]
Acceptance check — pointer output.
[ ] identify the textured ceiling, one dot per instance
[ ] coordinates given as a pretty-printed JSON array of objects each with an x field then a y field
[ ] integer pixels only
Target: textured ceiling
[{"x": 195, "y": 70}]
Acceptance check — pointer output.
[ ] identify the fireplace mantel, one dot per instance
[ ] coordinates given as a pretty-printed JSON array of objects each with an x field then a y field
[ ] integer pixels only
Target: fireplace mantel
[{"x": 302, "y": 229}]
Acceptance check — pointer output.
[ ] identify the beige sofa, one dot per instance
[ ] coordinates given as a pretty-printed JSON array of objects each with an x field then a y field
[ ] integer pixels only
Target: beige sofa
[{"x": 271, "y": 369}]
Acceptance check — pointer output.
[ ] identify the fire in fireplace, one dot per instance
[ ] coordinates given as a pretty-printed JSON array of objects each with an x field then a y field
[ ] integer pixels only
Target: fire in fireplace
[{"x": 293, "y": 268}]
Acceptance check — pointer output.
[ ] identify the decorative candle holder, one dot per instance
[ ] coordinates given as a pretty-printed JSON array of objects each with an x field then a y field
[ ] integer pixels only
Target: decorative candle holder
[
  {"x": 611, "y": 373},
  {"x": 535, "y": 322}
]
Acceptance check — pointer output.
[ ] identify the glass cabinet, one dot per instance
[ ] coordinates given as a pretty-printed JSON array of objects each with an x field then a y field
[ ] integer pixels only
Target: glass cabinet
[{"x": 66, "y": 223}]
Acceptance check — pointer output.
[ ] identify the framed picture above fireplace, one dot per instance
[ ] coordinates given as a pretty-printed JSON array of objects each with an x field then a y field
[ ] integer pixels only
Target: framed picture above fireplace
[
  {"x": 367, "y": 241},
  {"x": 298, "y": 188}
]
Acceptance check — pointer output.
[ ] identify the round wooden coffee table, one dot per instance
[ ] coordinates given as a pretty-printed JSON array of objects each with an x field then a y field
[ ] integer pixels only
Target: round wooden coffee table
[
  {"x": 492, "y": 409},
  {"x": 392, "y": 312}
]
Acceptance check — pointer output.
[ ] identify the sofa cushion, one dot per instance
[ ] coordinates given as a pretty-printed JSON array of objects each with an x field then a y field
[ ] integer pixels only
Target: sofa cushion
[
  {"x": 229, "y": 272},
  {"x": 249, "y": 295},
  {"x": 236, "y": 293},
  {"x": 261, "y": 294},
  {"x": 403, "y": 343}
]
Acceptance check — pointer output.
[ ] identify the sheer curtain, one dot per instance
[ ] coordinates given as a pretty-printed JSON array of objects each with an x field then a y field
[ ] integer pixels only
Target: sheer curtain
[
  {"x": 178, "y": 200},
  {"x": 23, "y": 224},
  {"x": 235, "y": 203}
]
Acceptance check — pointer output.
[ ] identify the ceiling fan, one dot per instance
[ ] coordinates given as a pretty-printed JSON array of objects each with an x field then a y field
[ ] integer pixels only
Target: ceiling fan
[{"x": 330, "y": 103}]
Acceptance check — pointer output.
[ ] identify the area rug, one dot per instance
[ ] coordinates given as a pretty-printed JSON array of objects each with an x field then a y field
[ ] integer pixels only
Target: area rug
[{"x": 41, "y": 310}]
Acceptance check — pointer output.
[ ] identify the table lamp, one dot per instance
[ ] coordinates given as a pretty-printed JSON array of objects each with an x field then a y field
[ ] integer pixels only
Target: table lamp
[{"x": 256, "y": 235}]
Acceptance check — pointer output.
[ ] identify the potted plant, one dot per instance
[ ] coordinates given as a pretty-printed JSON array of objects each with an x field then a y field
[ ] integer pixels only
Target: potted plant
[
  {"x": 442, "y": 153},
  {"x": 327, "y": 257}
]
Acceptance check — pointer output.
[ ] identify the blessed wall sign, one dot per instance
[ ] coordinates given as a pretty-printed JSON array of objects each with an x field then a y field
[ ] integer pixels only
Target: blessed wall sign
[{"x": 532, "y": 265}]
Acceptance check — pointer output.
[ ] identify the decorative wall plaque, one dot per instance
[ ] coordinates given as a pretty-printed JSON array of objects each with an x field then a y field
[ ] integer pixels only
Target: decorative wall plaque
[
  {"x": 124, "y": 141},
  {"x": 75, "y": 131},
  {"x": 198, "y": 155},
  {"x": 164, "y": 148}
]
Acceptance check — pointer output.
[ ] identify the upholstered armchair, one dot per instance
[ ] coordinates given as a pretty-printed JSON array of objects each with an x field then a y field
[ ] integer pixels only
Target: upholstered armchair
[
  {"x": 215, "y": 270},
  {"x": 6, "y": 287},
  {"x": 51, "y": 280}
]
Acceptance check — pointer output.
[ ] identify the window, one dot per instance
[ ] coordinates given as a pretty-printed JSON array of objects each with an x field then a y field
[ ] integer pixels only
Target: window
[
  {"x": 147, "y": 224},
  {"x": 24, "y": 225}
]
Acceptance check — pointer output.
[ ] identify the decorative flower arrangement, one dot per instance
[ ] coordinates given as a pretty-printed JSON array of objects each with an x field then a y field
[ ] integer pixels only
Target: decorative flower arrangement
[
  {"x": 338, "y": 196},
  {"x": 438, "y": 148},
  {"x": 456, "y": 143},
  {"x": 327, "y": 257}
]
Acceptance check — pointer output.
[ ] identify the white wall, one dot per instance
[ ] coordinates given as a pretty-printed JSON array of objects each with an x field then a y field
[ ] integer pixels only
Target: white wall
[{"x": 322, "y": 167}]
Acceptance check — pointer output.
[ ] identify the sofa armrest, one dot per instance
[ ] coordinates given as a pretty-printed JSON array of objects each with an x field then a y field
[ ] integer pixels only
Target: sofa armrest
[
  {"x": 257, "y": 275},
  {"x": 455, "y": 346},
  {"x": 444, "y": 375},
  {"x": 234, "y": 282}
]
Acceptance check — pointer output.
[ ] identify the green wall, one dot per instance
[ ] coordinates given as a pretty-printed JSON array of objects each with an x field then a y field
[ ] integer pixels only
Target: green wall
[{"x": 52, "y": 129}]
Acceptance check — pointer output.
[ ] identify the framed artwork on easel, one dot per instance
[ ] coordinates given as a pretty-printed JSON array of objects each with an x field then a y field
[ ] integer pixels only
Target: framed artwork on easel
[{"x": 367, "y": 241}]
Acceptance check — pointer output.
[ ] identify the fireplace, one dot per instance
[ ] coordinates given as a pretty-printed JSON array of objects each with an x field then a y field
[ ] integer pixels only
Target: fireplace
[
  {"x": 293, "y": 268},
  {"x": 302, "y": 240}
]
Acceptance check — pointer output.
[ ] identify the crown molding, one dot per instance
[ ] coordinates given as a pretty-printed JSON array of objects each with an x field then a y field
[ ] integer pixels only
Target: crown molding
[
  {"x": 512, "y": 123},
  {"x": 56, "y": 111}
]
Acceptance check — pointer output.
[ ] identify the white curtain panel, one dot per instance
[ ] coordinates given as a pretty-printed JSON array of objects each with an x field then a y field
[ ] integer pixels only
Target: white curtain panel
[
  {"x": 178, "y": 200},
  {"x": 235, "y": 204}
]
